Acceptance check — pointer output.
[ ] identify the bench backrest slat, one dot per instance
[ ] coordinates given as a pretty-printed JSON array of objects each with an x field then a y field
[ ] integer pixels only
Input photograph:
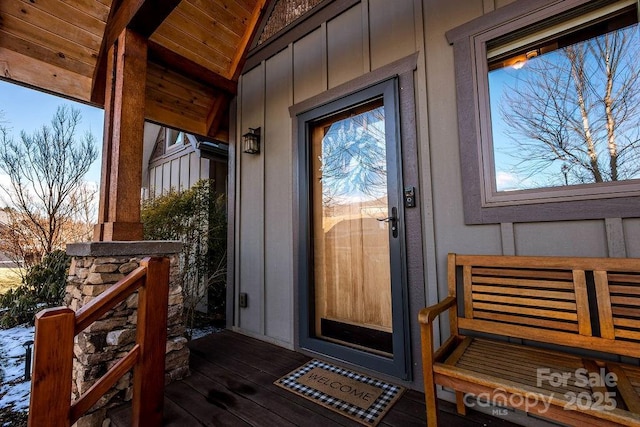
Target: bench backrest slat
[
  {"x": 547, "y": 299},
  {"x": 619, "y": 304}
]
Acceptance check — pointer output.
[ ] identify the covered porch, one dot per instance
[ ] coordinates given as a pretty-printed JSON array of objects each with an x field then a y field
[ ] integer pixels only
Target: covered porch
[
  {"x": 197, "y": 66},
  {"x": 231, "y": 384}
]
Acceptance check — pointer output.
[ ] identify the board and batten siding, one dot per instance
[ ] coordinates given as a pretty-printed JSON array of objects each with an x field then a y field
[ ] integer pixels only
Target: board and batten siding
[
  {"x": 179, "y": 173},
  {"x": 613, "y": 237},
  {"x": 363, "y": 38},
  {"x": 332, "y": 54}
]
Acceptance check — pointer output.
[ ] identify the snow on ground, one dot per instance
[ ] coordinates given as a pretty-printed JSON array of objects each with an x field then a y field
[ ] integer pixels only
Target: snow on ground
[
  {"x": 14, "y": 390},
  {"x": 204, "y": 331}
]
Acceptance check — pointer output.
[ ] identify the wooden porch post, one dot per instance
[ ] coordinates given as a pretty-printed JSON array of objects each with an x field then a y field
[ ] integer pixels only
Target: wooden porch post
[{"x": 121, "y": 181}]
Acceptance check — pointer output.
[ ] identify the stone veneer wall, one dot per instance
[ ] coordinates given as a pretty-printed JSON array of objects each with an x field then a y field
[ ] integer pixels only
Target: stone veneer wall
[{"x": 107, "y": 340}]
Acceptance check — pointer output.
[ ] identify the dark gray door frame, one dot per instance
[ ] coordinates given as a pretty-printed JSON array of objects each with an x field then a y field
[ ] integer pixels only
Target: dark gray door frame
[
  {"x": 414, "y": 292},
  {"x": 399, "y": 364}
]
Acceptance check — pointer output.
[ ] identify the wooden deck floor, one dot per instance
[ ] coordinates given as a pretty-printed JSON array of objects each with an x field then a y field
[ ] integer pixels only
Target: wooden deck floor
[{"x": 231, "y": 384}]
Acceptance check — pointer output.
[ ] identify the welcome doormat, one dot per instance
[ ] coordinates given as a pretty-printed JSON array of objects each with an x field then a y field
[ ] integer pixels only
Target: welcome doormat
[{"x": 359, "y": 397}]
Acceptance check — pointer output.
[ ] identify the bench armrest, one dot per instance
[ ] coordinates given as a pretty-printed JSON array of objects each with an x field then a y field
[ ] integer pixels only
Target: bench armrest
[
  {"x": 428, "y": 314},
  {"x": 426, "y": 317}
]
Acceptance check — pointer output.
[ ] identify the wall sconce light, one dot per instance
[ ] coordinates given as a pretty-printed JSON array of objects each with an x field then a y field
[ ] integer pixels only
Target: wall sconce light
[{"x": 251, "y": 141}]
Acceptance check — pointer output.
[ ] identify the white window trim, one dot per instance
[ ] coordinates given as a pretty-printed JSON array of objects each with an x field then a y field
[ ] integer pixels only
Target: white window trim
[{"x": 179, "y": 143}]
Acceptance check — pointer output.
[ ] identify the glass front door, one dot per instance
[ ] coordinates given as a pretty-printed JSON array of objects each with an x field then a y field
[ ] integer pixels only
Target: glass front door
[
  {"x": 352, "y": 297},
  {"x": 352, "y": 275}
]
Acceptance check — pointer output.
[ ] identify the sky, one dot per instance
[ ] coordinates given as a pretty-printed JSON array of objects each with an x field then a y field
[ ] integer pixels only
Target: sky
[
  {"x": 514, "y": 171},
  {"x": 28, "y": 109}
]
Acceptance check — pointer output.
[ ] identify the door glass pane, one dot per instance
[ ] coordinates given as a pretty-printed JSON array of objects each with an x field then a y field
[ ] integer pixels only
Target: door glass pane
[{"x": 352, "y": 280}]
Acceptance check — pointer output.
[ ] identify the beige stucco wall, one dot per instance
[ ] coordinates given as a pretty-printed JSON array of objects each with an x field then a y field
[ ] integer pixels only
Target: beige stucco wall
[{"x": 369, "y": 35}]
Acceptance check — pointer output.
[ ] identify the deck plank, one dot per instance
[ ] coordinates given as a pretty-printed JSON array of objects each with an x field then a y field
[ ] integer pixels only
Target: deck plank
[
  {"x": 262, "y": 391},
  {"x": 174, "y": 416},
  {"x": 203, "y": 409},
  {"x": 235, "y": 401},
  {"x": 231, "y": 384}
]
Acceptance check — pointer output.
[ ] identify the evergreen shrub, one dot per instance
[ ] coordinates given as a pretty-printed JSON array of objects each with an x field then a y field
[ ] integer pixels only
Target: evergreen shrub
[
  {"x": 43, "y": 286},
  {"x": 196, "y": 217}
]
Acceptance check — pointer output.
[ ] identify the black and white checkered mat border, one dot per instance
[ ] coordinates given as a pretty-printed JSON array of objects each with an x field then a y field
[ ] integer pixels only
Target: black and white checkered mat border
[{"x": 370, "y": 416}]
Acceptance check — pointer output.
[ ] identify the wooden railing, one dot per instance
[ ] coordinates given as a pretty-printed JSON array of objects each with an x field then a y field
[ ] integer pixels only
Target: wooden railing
[{"x": 53, "y": 352}]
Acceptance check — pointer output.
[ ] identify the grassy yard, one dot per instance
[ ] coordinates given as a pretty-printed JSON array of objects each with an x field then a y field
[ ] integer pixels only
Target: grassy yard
[{"x": 9, "y": 278}]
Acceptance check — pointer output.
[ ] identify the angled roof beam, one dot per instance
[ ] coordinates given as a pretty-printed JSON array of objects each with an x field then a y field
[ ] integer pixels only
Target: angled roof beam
[
  {"x": 141, "y": 16},
  {"x": 214, "y": 118},
  {"x": 252, "y": 28}
]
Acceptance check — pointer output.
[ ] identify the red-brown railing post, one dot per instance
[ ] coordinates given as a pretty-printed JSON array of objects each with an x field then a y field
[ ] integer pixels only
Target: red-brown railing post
[
  {"x": 148, "y": 376},
  {"x": 53, "y": 363},
  {"x": 53, "y": 352}
]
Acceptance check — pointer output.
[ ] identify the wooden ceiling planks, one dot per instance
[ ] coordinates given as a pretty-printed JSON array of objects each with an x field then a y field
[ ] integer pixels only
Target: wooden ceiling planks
[
  {"x": 248, "y": 5},
  {"x": 177, "y": 93},
  {"x": 189, "y": 48},
  {"x": 160, "y": 114},
  {"x": 91, "y": 21},
  {"x": 44, "y": 54},
  {"x": 188, "y": 91},
  {"x": 196, "y": 50},
  {"x": 184, "y": 66},
  {"x": 41, "y": 29},
  {"x": 42, "y": 75},
  {"x": 98, "y": 9},
  {"x": 209, "y": 33},
  {"x": 175, "y": 85},
  {"x": 222, "y": 11},
  {"x": 204, "y": 29},
  {"x": 48, "y": 41}
]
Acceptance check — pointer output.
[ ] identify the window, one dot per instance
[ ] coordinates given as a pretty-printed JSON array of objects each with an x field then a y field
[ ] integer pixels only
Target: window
[
  {"x": 174, "y": 139},
  {"x": 557, "y": 107}
]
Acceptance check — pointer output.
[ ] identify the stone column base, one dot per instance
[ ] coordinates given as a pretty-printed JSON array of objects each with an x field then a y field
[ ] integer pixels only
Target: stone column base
[{"x": 95, "y": 267}]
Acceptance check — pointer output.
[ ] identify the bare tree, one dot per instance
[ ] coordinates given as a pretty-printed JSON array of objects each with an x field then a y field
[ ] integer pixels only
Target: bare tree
[
  {"x": 578, "y": 108},
  {"x": 353, "y": 158},
  {"x": 46, "y": 196}
]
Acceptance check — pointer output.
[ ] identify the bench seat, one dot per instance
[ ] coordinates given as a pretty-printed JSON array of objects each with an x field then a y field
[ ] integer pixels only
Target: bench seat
[
  {"x": 542, "y": 301},
  {"x": 628, "y": 378}
]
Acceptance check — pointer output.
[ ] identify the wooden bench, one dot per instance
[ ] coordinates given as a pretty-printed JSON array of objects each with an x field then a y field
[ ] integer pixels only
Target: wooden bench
[{"x": 560, "y": 309}]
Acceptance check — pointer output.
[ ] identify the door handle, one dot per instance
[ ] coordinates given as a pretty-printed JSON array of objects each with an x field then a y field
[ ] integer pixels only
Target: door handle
[{"x": 393, "y": 219}]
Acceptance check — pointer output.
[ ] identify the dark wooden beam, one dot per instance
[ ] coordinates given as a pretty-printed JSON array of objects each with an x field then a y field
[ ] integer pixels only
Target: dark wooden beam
[
  {"x": 98, "y": 83},
  {"x": 164, "y": 57},
  {"x": 141, "y": 16},
  {"x": 146, "y": 18},
  {"x": 119, "y": 208},
  {"x": 252, "y": 28},
  {"x": 217, "y": 113}
]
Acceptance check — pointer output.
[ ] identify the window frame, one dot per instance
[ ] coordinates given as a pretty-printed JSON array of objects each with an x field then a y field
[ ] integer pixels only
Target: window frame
[
  {"x": 482, "y": 204},
  {"x": 174, "y": 144}
]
